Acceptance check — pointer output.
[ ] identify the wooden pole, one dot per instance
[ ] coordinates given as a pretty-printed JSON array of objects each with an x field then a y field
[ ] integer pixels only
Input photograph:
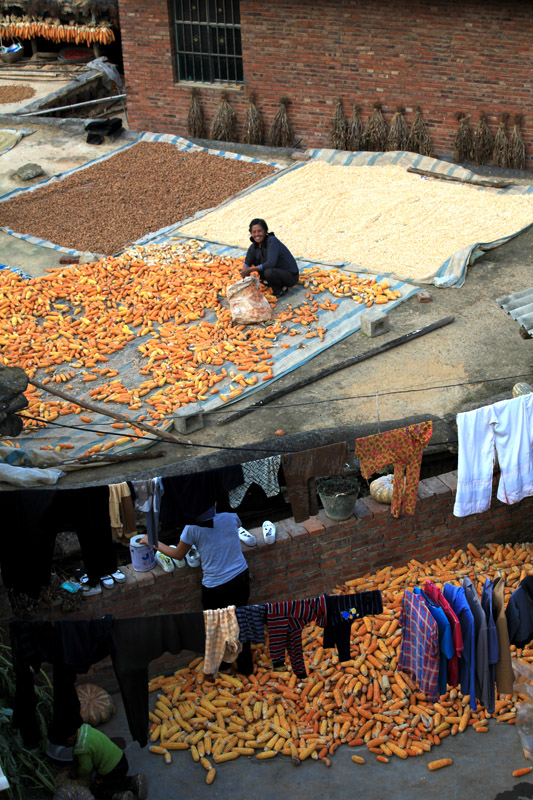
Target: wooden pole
[
  {"x": 169, "y": 437},
  {"x": 493, "y": 183},
  {"x": 407, "y": 337}
]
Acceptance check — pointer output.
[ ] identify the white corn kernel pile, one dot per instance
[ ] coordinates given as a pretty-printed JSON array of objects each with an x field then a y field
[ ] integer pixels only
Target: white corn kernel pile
[{"x": 383, "y": 219}]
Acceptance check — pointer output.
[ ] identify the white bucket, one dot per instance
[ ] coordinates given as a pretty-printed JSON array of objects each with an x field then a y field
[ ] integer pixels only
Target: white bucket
[{"x": 142, "y": 556}]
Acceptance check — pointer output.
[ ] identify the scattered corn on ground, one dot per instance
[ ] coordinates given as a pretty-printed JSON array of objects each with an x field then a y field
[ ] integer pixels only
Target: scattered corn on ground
[
  {"x": 363, "y": 702},
  {"x": 66, "y": 326},
  {"x": 383, "y": 219}
]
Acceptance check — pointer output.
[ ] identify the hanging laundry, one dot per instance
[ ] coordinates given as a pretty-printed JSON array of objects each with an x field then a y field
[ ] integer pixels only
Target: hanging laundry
[
  {"x": 493, "y": 650},
  {"x": 419, "y": 650},
  {"x": 504, "y": 669},
  {"x": 252, "y": 621},
  {"x": 187, "y": 496},
  {"x": 221, "y": 638},
  {"x": 403, "y": 448},
  {"x": 139, "y": 640},
  {"x": 264, "y": 472},
  {"x": 286, "y": 621},
  {"x": 435, "y": 594},
  {"x": 484, "y": 690},
  {"x": 38, "y": 515},
  {"x": 519, "y": 613},
  {"x": 121, "y": 511},
  {"x": 300, "y": 469},
  {"x": 455, "y": 595},
  {"x": 341, "y": 611},
  {"x": 446, "y": 648},
  {"x": 506, "y": 426},
  {"x": 71, "y": 647},
  {"x": 148, "y": 496}
]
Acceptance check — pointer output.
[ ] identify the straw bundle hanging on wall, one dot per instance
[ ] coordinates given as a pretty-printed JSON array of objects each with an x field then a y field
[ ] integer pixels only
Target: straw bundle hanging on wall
[
  {"x": 419, "y": 140},
  {"x": 483, "y": 141},
  {"x": 464, "y": 139},
  {"x": 500, "y": 155},
  {"x": 517, "y": 148},
  {"x": 339, "y": 128},
  {"x": 224, "y": 127},
  {"x": 398, "y": 131},
  {"x": 195, "y": 117},
  {"x": 280, "y": 131},
  {"x": 376, "y": 131},
  {"x": 253, "y": 130},
  {"x": 354, "y": 136}
]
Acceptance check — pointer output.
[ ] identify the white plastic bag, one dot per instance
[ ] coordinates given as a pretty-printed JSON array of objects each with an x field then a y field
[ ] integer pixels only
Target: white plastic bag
[
  {"x": 28, "y": 476},
  {"x": 247, "y": 303}
]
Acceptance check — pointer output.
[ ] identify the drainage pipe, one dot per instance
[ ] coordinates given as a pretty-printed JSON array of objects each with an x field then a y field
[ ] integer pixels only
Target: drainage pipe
[{"x": 73, "y": 105}]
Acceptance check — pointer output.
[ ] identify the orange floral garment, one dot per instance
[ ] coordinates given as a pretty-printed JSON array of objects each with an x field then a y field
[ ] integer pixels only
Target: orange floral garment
[{"x": 403, "y": 448}]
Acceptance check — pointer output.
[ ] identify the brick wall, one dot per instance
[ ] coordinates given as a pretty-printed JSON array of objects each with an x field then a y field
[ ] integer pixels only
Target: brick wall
[
  {"x": 312, "y": 557},
  {"x": 455, "y": 55}
]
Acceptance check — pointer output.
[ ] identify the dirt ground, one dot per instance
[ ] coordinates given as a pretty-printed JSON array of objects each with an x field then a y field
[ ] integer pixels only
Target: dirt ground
[{"x": 479, "y": 356}]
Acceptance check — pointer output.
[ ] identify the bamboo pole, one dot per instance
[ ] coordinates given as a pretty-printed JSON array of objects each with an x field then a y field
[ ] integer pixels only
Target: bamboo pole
[{"x": 169, "y": 437}]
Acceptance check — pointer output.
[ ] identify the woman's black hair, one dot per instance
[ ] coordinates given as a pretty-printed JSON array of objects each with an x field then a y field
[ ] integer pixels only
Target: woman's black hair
[{"x": 258, "y": 221}]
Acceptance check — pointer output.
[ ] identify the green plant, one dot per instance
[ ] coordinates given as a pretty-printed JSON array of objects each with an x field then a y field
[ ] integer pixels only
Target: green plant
[{"x": 26, "y": 770}]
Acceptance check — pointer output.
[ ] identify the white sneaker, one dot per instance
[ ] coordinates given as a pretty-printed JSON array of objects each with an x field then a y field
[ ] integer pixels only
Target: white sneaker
[
  {"x": 118, "y": 576},
  {"x": 107, "y": 581},
  {"x": 193, "y": 557},
  {"x": 247, "y": 537},
  {"x": 166, "y": 563},
  {"x": 89, "y": 591},
  {"x": 269, "y": 532}
]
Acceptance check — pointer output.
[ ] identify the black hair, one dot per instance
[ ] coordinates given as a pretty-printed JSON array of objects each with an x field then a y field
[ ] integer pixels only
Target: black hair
[{"x": 258, "y": 221}]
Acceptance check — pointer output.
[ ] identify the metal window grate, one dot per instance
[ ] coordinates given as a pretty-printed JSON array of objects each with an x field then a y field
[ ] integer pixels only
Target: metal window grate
[{"x": 208, "y": 40}]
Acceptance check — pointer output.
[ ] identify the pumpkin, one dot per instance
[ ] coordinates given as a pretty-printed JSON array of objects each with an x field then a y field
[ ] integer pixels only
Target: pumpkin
[
  {"x": 381, "y": 489},
  {"x": 71, "y": 790},
  {"x": 520, "y": 389},
  {"x": 96, "y": 705}
]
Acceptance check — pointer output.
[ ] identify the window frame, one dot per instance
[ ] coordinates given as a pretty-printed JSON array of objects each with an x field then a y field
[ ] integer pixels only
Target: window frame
[{"x": 208, "y": 65}]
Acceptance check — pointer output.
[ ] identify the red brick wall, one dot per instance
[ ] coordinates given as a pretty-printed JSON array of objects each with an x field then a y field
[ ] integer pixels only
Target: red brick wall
[
  {"x": 313, "y": 557},
  {"x": 455, "y": 55}
]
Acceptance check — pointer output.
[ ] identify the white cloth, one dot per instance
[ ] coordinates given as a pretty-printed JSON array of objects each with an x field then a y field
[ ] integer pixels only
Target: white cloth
[
  {"x": 29, "y": 476},
  {"x": 264, "y": 472},
  {"x": 506, "y": 427}
]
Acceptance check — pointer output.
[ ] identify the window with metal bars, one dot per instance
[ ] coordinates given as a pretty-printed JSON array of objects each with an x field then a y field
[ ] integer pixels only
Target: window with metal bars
[{"x": 208, "y": 41}]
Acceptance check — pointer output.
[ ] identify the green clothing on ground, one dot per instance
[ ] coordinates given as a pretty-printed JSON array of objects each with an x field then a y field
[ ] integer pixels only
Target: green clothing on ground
[{"x": 95, "y": 751}]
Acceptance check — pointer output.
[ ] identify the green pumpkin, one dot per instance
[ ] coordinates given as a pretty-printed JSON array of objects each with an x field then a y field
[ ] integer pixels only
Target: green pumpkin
[{"x": 520, "y": 389}]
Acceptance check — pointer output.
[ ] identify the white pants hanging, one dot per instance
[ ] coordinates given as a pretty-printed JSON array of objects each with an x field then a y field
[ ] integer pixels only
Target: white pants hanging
[{"x": 507, "y": 428}]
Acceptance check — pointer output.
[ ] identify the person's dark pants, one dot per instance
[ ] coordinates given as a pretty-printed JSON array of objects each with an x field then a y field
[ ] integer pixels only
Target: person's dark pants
[
  {"x": 235, "y": 592},
  {"x": 279, "y": 278},
  {"x": 118, "y": 780}
]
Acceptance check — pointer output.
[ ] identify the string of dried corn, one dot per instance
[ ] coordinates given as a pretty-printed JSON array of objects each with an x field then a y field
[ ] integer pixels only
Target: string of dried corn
[
  {"x": 224, "y": 127},
  {"x": 398, "y": 132},
  {"x": 464, "y": 139},
  {"x": 354, "y": 136},
  {"x": 195, "y": 116},
  {"x": 280, "y": 131},
  {"x": 483, "y": 141},
  {"x": 253, "y": 129},
  {"x": 419, "y": 140},
  {"x": 376, "y": 131},
  {"x": 517, "y": 148},
  {"x": 339, "y": 128},
  {"x": 500, "y": 155}
]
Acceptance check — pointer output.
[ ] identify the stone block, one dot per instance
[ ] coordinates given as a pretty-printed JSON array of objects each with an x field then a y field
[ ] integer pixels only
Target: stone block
[
  {"x": 189, "y": 419},
  {"x": 374, "y": 322}
]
